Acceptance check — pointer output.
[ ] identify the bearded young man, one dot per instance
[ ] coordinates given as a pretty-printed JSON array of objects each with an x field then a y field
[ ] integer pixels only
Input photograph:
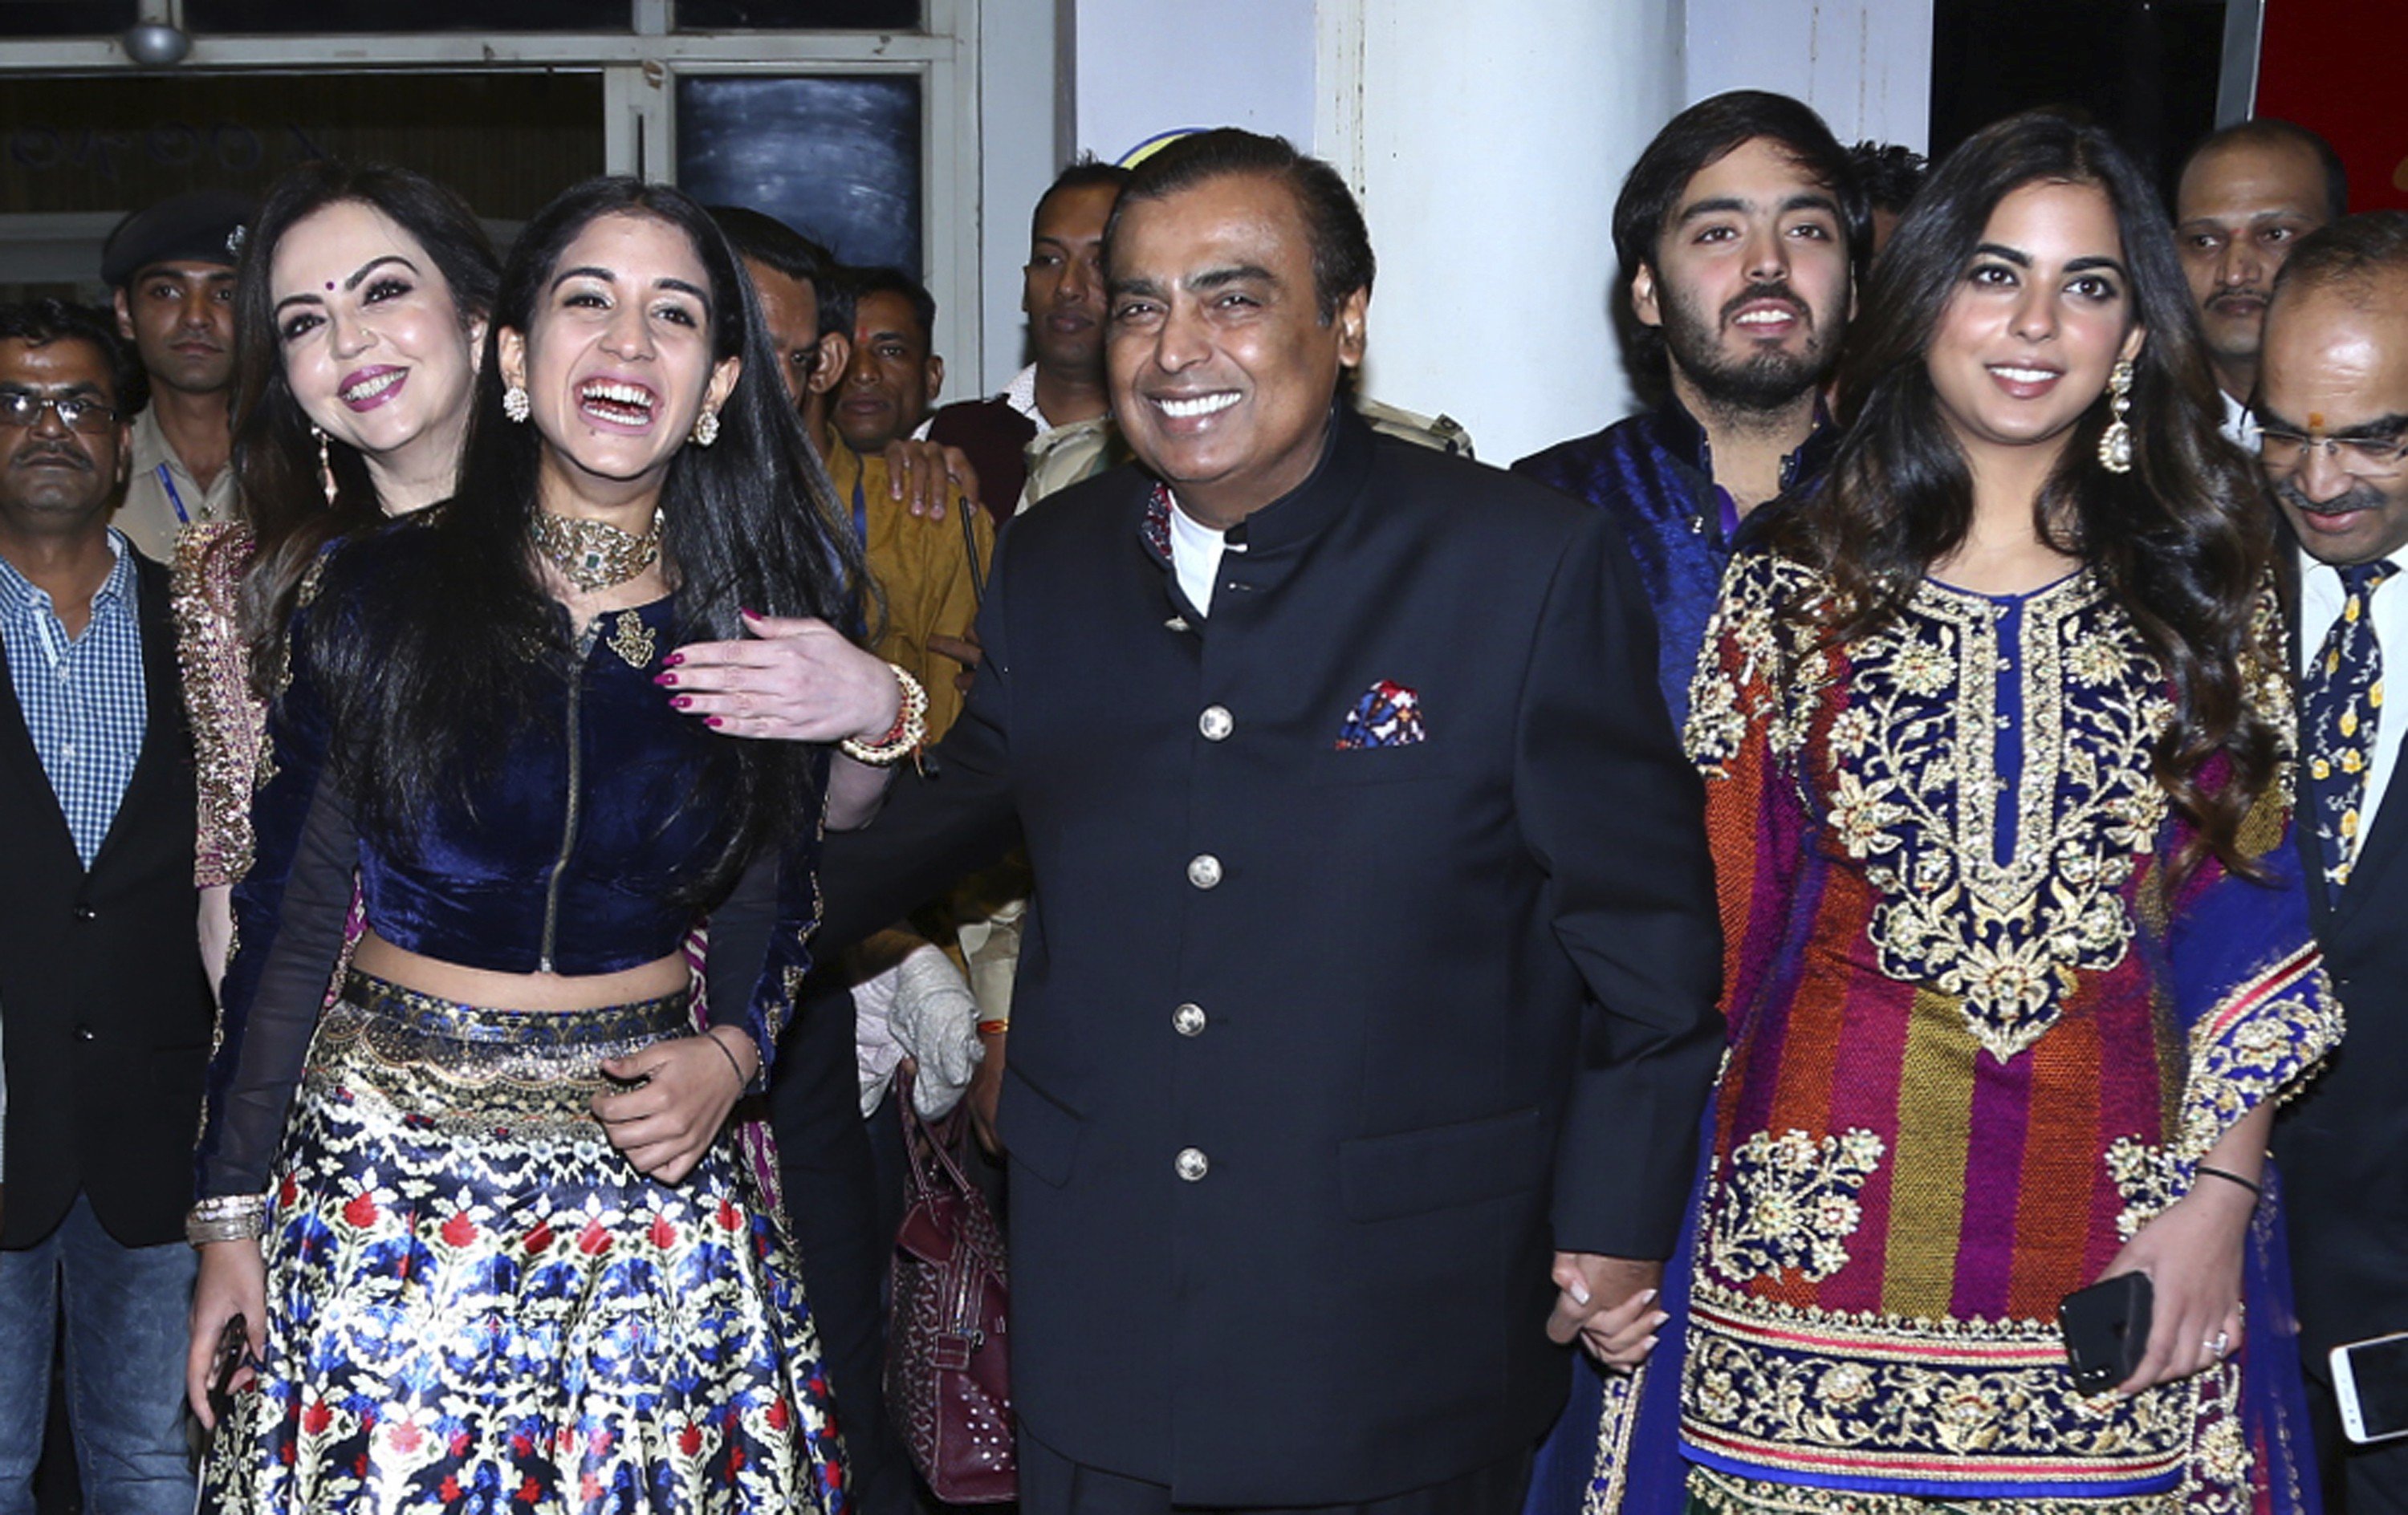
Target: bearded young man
[{"x": 1738, "y": 232}]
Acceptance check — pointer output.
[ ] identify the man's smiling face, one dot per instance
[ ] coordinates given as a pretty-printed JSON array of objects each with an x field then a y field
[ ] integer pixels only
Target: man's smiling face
[{"x": 1223, "y": 367}]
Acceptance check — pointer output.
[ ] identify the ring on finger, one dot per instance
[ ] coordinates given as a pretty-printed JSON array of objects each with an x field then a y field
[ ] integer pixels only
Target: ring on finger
[{"x": 2218, "y": 1344}]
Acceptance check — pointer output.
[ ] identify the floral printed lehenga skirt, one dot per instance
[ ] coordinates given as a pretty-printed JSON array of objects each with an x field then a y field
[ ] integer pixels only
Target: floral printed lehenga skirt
[{"x": 475, "y": 1304}]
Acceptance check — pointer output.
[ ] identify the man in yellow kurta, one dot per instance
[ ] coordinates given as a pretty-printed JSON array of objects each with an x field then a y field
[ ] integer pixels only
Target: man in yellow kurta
[{"x": 929, "y": 573}]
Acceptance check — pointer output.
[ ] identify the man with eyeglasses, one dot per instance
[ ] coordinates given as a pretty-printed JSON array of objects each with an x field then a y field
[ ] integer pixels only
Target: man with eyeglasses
[
  {"x": 2332, "y": 409},
  {"x": 106, "y": 1013}
]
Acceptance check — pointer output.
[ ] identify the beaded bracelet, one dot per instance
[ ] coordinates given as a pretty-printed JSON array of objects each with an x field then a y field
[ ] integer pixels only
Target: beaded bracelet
[
  {"x": 902, "y": 739},
  {"x": 226, "y": 1218}
]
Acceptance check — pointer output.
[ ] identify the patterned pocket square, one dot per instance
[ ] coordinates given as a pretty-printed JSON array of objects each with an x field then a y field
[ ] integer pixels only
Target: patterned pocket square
[{"x": 1388, "y": 715}]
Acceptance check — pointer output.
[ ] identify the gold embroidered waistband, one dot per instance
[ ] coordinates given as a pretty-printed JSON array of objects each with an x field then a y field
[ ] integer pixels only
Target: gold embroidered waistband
[
  {"x": 451, "y": 1066},
  {"x": 1935, "y": 1406}
]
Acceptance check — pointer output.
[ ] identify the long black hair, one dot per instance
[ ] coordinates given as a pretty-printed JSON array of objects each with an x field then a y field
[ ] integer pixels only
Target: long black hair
[
  {"x": 275, "y": 450},
  {"x": 463, "y": 631},
  {"x": 2183, "y": 540}
]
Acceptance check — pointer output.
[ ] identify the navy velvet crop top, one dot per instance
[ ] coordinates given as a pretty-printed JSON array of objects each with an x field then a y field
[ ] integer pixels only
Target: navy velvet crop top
[{"x": 571, "y": 862}]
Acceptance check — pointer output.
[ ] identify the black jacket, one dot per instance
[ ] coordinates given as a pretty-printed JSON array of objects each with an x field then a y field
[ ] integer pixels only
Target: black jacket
[
  {"x": 1445, "y": 1007},
  {"x": 107, "y": 1014},
  {"x": 2343, "y": 1144}
]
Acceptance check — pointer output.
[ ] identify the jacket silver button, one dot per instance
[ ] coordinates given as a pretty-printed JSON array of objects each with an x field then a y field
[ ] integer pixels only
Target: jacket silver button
[
  {"x": 1188, "y": 1020},
  {"x": 1191, "y": 1164},
  {"x": 1204, "y": 870},
  {"x": 1216, "y": 723}
]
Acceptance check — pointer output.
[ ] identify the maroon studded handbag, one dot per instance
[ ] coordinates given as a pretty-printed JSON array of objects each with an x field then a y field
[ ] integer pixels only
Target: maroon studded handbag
[{"x": 948, "y": 1374}]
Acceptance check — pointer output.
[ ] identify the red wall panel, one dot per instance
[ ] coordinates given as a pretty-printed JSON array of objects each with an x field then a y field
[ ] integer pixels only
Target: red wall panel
[{"x": 2340, "y": 67}]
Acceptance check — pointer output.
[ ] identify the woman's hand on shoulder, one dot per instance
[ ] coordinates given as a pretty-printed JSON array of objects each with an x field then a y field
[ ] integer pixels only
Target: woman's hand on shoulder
[
  {"x": 688, "y": 1085},
  {"x": 793, "y": 679},
  {"x": 233, "y": 1280}
]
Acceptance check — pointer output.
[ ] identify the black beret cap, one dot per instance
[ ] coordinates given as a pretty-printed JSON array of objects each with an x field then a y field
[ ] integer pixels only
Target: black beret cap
[{"x": 197, "y": 226}]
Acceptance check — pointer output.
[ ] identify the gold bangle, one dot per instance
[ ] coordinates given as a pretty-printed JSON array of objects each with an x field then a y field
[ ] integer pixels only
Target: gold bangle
[{"x": 901, "y": 739}]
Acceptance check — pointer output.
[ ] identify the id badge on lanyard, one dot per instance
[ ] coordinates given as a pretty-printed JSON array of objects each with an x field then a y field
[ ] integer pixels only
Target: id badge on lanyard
[{"x": 175, "y": 497}]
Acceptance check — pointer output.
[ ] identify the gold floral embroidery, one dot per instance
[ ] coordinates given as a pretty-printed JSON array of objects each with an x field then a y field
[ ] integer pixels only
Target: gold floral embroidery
[
  {"x": 1907, "y": 776},
  {"x": 2149, "y": 1179},
  {"x": 2260, "y": 1041},
  {"x": 1611, "y": 1474},
  {"x": 1939, "y": 1403},
  {"x": 1790, "y": 1201},
  {"x": 229, "y": 724}
]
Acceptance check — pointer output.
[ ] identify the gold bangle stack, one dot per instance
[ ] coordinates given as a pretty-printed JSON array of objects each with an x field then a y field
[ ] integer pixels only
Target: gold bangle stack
[
  {"x": 901, "y": 739},
  {"x": 226, "y": 1218}
]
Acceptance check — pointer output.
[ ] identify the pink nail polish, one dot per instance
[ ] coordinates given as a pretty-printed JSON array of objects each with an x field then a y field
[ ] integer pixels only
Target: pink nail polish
[
  {"x": 749, "y": 615},
  {"x": 672, "y": 660},
  {"x": 666, "y": 680},
  {"x": 682, "y": 700},
  {"x": 713, "y": 722}
]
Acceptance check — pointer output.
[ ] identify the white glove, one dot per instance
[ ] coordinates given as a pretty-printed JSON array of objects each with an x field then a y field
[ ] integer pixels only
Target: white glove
[{"x": 935, "y": 1019}]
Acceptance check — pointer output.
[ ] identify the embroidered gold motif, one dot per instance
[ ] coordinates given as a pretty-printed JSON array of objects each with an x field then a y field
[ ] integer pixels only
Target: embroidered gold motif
[
  {"x": 1611, "y": 1475},
  {"x": 634, "y": 641},
  {"x": 2149, "y": 1179},
  {"x": 2260, "y": 1042},
  {"x": 1940, "y": 1403},
  {"x": 1790, "y": 1201},
  {"x": 229, "y": 724},
  {"x": 1907, "y": 776}
]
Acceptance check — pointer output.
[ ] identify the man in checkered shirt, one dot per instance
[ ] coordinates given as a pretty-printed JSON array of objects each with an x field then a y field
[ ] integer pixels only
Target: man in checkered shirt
[{"x": 107, "y": 1015}]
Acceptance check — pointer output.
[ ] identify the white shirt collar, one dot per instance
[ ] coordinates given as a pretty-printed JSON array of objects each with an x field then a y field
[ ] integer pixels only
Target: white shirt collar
[
  {"x": 2240, "y": 423},
  {"x": 1021, "y": 395}
]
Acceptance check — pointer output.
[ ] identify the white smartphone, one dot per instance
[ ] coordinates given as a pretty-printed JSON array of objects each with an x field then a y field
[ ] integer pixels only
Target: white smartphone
[{"x": 2370, "y": 1381}]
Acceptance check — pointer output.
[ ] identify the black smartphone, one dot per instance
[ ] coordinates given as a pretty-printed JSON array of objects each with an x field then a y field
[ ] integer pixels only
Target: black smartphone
[
  {"x": 2106, "y": 1330},
  {"x": 2371, "y": 1382},
  {"x": 234, "y": 1346}
]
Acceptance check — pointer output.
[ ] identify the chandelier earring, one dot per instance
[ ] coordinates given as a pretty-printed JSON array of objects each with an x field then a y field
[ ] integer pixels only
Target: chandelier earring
[
  {"x": 2115, "y": 442},
  {"x": 515, "y": 403},
  {"x": 706, "y": 428},
  {"x": 325, "y": 465}
]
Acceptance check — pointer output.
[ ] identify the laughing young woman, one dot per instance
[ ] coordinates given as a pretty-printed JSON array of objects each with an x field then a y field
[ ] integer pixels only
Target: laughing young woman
[{"x": 481, "y": 1218}]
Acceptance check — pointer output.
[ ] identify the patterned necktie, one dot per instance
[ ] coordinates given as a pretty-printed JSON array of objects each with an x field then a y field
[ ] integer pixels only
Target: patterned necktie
[{"x": 2340, "y": 698}]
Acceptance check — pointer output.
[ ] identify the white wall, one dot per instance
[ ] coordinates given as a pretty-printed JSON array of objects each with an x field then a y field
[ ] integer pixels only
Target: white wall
[
  {"x": 1866, "y": 65},
  {"x": 1146, "y": 66},
  {"x": 1487, "y": 143},
  {"x": 1487, "y": 155},
  {"x": 1019, "y": 149}
]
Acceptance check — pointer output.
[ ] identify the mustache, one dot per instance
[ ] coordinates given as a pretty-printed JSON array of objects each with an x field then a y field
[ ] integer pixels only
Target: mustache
[
  {"x": 2251, "y": 293},
  {"x": 51, "y": 452},
  {"x": 2359, "y": 496},
  {"x": 1755, "y": 294}
]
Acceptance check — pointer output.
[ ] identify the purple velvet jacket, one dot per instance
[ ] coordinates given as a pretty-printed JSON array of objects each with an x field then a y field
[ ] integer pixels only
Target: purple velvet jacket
[{"x": 1654, "y": 472}]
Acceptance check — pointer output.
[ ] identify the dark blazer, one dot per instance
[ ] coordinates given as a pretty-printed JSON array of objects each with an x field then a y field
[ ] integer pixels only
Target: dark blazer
[
  {"x": 107, "y": 1013},
  {"x": 2343, "y": 1144},
  {"x": 1319, "y": 1051}
]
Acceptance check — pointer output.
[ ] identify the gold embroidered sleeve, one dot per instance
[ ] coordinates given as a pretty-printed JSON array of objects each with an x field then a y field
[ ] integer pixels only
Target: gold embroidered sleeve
[{"x": 229, "y": 722}]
